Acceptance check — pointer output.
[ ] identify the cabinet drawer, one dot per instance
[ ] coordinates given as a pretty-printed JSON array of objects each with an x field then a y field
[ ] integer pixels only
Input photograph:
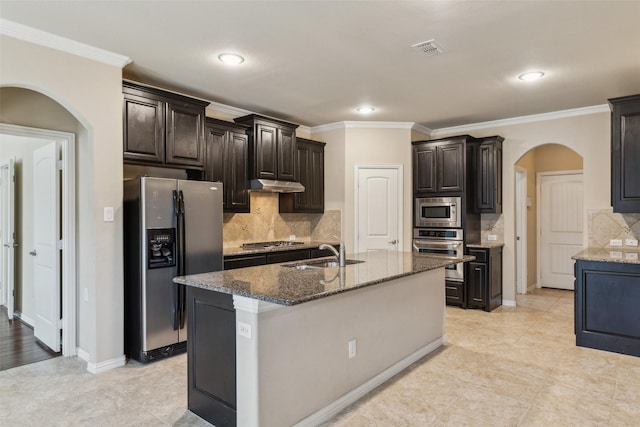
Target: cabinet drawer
[
  {"x": 317, "y": 253},
  {"x": 288, "y": 256},
  {"x": 480, "y": 254},
  {"x": 245, "y": 261}
]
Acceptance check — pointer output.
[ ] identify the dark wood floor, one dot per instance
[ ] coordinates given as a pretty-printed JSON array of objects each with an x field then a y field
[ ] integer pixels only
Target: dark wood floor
[{"x": 18, "y": 346}]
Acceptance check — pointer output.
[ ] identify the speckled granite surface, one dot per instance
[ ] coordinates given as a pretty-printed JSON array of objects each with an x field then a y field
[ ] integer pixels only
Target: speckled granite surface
[
  {"x": 289, "y": 286},
  {"x": 485, "y": 245},
  {"x": 236, "y": 250},
  {"x": 623, "y": 255}
]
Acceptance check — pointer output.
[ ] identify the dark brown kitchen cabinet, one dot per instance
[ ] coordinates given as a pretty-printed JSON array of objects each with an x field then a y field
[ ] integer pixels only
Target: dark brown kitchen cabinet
[
  {"x": 440, "y": 166},
  {"x": 272, "y": 147},
  {"x": 271, "y": 257},
  {"x": 162, "y": 128},
  {"x": 489, "y": 180},
  {"x": 309, "y": 171},
  {"x": 625, "y": 154},
  {"x": 483, "y": 278},
  {"x": 227, "y": 161},
  {"x": 607, "y": 297}
]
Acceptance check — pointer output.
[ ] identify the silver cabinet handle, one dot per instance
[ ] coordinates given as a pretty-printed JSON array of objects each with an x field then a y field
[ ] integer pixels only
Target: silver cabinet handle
[
  {"x": 393, "y": 242},
  {"x": 33, "y": 253}
]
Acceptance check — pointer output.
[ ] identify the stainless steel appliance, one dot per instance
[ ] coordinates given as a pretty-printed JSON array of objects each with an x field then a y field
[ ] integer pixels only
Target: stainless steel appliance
[
  {"x": 442, "y": 242},
  {"x": 171, "y": 228},
  {"x": 438, "y": 212}
]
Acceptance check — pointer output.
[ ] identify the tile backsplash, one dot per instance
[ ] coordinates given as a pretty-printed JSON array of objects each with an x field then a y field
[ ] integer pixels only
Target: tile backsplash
[
  {"x": 605, "y": 225},
  {"x": 265, "y": 223},
  {"x": 492, "y": 224}
]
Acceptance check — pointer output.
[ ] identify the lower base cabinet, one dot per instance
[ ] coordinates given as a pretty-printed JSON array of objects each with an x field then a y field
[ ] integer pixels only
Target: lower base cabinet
[
  {"x": 274, "y": 257},
  {"x": 482, "y": 287},
  {"x": 607, "y": 306},
  {"x": 211, "y": 356}
]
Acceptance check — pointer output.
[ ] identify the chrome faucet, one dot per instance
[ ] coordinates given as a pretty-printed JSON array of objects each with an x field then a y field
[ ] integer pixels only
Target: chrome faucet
[{"x": 339, "y": 254}]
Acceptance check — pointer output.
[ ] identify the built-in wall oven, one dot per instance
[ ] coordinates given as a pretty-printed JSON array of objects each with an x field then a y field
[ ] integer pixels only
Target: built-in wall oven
[
  {"x": 438, "y": 212},
  {"x": 445, "y": 242}
]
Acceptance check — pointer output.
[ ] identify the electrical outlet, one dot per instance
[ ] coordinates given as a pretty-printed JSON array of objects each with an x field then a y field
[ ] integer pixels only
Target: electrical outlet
[
  {"x": 492, "y": 237},
  {"x": 615, "y": 242},
  {"x": 631, "y": 256},
  {"x": 631, "y": 242},
  {"x": 292, "y": 237},
  {"x": 352, "y": 349},
  {"x": 244, "y": 330},
  {"x": 615, "y": 254}
]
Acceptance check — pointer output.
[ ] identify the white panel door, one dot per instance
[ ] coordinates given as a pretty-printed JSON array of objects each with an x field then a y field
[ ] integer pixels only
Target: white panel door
[
  {"x": 379, "y": 199},
  {"x": 7, "y": 230},
  {"x": 561, "y": 228},
  {"x": 46, "y": 255}
]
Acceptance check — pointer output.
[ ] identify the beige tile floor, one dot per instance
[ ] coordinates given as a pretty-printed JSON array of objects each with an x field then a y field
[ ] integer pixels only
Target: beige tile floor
[{"x": 516, "y": 366}]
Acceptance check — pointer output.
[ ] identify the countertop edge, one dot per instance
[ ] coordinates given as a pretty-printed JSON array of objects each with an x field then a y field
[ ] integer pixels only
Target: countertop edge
[{"x": 622, "y": 255}]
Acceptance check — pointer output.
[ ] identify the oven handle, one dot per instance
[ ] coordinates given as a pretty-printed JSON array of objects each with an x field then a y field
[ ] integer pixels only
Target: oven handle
[{"x": 437, "y": 244}]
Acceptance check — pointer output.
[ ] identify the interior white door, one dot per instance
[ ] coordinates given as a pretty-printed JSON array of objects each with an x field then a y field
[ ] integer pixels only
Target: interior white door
[
  {"x": 521, "y": 231},
  {"x": 8, "y": 234},
  {"x": 379, "y": 207},
  {"x": 561, "y": 228},
  {"x": 46, "y": 254}
]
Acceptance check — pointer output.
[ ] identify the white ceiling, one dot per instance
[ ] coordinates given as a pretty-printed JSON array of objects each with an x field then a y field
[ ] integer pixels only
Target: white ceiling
[{"x": 314, "y": 62}]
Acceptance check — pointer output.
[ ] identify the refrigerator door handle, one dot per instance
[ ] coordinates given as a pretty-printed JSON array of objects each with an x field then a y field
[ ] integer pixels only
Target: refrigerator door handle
[
  {"x": 182, "y": 297},
  {"x": 183, "y": 306}
]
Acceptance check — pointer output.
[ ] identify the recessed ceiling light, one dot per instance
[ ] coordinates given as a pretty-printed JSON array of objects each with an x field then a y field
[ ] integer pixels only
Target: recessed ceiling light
[
  {"x": 532, "y": 75},
  {"x": 365, "y": 109},
  {"x": 231, "y": 58}
]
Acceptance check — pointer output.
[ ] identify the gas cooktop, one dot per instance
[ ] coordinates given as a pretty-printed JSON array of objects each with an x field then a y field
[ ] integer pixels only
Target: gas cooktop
[{"x": 263, "y": 245}]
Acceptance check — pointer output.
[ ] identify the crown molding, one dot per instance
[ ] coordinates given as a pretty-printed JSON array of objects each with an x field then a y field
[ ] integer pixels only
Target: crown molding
[
  {"x": 228, "y": 109},
  {"x": 603, "y": 108},
  {"x": 422, "y": 129},
  {"x": 365, "y": 125},
  {"x": 43, "y": 38}
]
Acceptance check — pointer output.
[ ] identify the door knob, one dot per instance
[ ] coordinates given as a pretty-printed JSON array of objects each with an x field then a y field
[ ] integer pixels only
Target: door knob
[
  {"x": 393, "y": 242},
  {"x": 33, "y": 253}
]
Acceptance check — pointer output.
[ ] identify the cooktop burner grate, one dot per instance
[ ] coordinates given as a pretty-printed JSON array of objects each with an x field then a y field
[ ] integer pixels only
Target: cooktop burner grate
[{"x": 262, "y": 245}]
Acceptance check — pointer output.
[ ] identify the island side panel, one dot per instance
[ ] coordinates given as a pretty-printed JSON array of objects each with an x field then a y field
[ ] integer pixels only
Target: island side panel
[{"x": 302, "y": 351}]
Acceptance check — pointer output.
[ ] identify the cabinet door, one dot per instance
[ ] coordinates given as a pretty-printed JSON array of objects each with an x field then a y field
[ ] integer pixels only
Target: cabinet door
[
  {"x": 143, "y": 129},
  {"x": 286, "y": 147},
  {"x": 476, "y": 284},
  {"x": 265, "y": 151},
  {"x": 185, "y": 126},
  {"x": 424, "y": 168},
  {"x": 214, "y": 154},
  {"x": 237, "y": 173},
  {"x": 451, "y": 167},
  {"x": 495, "y": 279},
  {"x": 316, "y": 179},
  {"x": 489, "y": 178},
  {"x": 625, "y": 155}
]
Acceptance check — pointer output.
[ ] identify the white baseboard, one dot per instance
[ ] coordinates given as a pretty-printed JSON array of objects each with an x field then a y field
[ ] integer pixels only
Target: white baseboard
[
  {"x": 24, "y": 318},
  {"x": 338, "y": 405},
  {"x": 509, "y": 303},
  {"x": 96, "y": 368}
]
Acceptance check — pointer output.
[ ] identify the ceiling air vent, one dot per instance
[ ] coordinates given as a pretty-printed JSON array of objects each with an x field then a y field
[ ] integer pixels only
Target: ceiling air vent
[{"x": 429, "y": 48}]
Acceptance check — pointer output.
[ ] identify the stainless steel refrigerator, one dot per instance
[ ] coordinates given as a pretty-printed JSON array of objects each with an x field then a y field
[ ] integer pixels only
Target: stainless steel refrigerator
[{"x": 171, "y": 228}]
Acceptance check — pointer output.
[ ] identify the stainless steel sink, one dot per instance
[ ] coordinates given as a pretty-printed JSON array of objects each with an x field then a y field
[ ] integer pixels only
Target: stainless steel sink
[{"x": 323, "y": 263}]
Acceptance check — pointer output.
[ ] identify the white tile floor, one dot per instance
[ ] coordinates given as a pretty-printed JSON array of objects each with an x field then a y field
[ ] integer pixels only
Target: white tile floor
[{"x": 514, "y": 366}]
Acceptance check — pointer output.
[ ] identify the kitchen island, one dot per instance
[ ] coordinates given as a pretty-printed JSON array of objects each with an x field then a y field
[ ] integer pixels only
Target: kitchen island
[{"x": 277, "y": 345}]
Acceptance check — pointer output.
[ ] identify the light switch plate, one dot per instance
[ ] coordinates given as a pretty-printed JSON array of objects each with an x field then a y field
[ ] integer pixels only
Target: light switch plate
[
  {"x": 632, "y": 256},
  {"x": 631, "y": 242},
  {"x": 615, "y": 242},
  {"x": 108, "y": 214},
  {"x": 492, "y": 237},
  {"x": 615, "y": 254}
]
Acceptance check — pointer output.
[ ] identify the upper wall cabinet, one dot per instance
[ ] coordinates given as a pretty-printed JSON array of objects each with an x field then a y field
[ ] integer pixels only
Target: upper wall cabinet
[
  {"x": 625, "y": 154},
  {"x": 162, "y": 128},
  {"x": 227, "y": 161},
  {"x": 489, "y": 181},
  {"x": 309, "y": 171},
  {"x": 272, "y": 147},
  {"x": 440, "y": 166}
]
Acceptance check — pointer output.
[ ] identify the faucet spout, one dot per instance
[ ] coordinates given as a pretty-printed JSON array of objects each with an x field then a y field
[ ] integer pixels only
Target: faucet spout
[{"x": 338, "y": 254}]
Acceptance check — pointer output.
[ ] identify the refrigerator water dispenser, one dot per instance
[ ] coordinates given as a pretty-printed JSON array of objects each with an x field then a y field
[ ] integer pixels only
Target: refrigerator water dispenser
[{"x": 162, "y": 247}]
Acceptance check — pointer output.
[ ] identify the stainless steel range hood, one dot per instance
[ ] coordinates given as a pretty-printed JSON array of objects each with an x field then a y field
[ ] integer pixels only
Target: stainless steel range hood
[{"x": 273, "y": 186}]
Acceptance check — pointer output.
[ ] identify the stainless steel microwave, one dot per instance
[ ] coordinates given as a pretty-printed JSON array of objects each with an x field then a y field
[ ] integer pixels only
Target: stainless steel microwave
[{"x": 438, "y": 212}]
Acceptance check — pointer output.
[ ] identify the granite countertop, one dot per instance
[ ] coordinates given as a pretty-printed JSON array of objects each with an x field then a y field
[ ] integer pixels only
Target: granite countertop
[
  {"x": 236, "y": 250},
  {"x": 485, "y": 245},
  {"x": 289, "y": 286},
  {"x": 625, "y": 255}
]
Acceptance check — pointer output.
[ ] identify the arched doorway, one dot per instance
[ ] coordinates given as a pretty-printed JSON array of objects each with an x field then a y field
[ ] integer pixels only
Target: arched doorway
[
  {"x": 24, "y": 117},
  {"x": 539, "y": 172}
]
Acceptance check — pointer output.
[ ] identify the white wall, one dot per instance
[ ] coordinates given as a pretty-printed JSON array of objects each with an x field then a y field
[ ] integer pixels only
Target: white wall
[
  {"x": 374, "y": 145},
  {"x": 21, "y": 149},
  {"x": 92, "y": 92},
  {"x": 588, "y": 135}
]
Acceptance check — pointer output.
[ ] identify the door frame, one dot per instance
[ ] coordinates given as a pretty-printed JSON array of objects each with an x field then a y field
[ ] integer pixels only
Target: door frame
[
  {"x": 539, "y": 175},
  {"x": 356, "y": 197},
  {"x": 66, "y": 143},
  {"x": 521, "y": 230}
]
